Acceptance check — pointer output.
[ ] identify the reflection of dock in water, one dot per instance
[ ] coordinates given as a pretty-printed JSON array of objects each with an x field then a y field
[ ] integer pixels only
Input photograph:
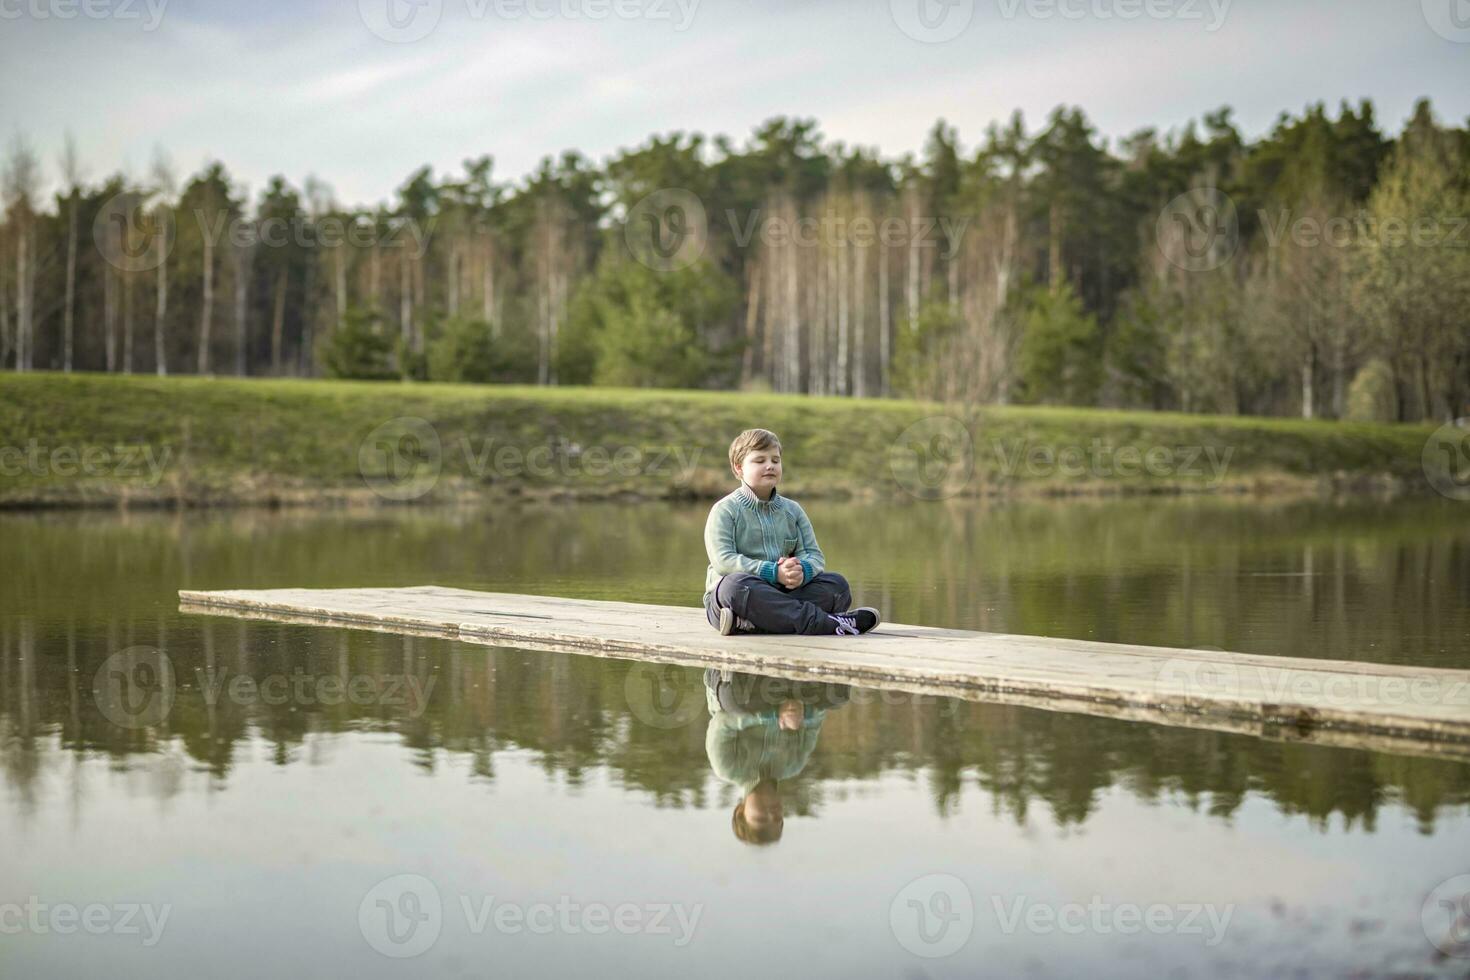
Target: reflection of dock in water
[{"x": 1414, "y": 710}]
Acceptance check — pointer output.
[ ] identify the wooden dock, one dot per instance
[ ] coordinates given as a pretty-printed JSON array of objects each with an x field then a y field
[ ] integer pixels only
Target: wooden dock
[{"x": 1415, "y": 710}]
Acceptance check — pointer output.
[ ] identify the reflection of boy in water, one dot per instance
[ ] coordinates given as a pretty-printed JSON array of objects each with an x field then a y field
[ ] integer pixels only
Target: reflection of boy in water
[{"x": 763, "y": 730}]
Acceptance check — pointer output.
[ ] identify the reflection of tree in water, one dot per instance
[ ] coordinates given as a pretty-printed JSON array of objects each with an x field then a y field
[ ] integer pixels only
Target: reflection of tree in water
[
  {"x": 572, "y": 713},
  {"x": 1019, "y": 757}
]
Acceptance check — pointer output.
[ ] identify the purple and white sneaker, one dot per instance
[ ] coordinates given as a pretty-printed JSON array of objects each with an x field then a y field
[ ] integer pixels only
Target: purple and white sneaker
[{"x": 863, "y": 619}]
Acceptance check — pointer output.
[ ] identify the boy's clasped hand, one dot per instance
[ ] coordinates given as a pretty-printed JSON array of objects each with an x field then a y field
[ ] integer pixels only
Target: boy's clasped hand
[{"x": 789, "y": 572}]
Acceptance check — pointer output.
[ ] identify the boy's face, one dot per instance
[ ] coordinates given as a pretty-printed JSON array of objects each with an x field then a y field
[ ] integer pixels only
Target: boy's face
[
  {"x": 763, "y": 806},
  {"x": 761, "y": 470}
]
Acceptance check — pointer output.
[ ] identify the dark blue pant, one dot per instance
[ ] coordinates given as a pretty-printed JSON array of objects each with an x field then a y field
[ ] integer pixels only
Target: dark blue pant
[{"x": 775, "y": 609}]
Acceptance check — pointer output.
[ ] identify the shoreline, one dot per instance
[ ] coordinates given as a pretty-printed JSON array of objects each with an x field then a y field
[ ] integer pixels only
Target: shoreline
[
  {"x": 264, "y": 496},
  {"x": 97, "y": 442}
]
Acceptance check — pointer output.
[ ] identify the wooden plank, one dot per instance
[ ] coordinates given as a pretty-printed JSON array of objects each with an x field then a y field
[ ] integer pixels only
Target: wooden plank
[{"x": 1362, "y": 705}]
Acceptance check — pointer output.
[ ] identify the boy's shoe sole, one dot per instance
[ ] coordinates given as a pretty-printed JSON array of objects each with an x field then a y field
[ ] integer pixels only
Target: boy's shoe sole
[{"x": 731, "y": 623}]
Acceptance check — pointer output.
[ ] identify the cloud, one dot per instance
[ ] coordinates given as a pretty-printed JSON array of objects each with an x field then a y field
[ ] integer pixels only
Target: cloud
[{"x": 307, "y": 88}]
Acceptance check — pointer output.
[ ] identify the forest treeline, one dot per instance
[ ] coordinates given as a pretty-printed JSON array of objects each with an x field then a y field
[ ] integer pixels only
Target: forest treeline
[{"x": 1322, "y": 270}]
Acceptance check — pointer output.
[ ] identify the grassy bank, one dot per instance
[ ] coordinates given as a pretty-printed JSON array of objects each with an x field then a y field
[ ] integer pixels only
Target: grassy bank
[{"x": 68, "y": 440}]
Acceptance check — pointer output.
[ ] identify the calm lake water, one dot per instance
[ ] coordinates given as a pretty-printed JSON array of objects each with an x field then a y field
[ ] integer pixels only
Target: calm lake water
[{"x": 192, "y": 795}]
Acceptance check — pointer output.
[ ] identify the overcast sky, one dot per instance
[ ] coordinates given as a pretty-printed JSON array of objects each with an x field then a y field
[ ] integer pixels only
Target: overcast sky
[{"x": 361, "y": 94}]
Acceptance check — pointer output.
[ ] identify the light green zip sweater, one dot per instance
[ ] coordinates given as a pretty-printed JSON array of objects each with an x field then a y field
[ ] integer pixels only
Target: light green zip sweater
[
  {"x": 747, "y": 534},
  {"x": 745, "y": 748}
]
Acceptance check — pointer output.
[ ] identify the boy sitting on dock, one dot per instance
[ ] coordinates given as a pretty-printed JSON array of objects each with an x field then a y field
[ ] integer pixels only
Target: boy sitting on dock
[{"x": 766, "y": 573}]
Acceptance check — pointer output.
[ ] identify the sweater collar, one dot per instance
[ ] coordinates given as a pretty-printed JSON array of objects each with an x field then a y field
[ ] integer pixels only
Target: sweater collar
[{"x": 749, "y": 498}]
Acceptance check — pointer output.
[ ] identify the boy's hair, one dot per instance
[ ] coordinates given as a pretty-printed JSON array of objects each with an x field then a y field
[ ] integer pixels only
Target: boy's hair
[{"x": 749, "y": 441}]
